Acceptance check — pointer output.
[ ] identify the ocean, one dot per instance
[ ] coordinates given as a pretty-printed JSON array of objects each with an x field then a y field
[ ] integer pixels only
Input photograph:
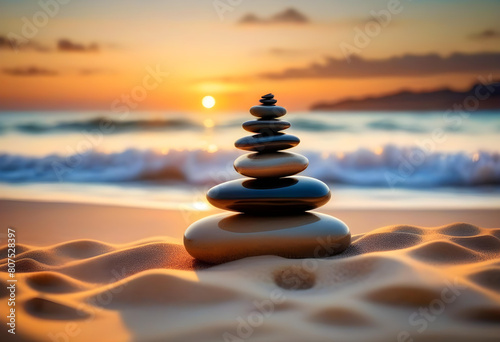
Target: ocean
[{"x": 431, "y": 160}]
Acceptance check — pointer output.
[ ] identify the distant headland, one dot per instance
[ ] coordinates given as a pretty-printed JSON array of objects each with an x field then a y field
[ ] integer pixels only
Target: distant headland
[{"x": 484, "y": 97}]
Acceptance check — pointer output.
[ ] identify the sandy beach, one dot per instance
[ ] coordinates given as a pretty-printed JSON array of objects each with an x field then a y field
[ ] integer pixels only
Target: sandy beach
[
  {"x": 47, "y": 223},
  {"x": 89, "y": 272},
  {"x": 250, "y": 171}
]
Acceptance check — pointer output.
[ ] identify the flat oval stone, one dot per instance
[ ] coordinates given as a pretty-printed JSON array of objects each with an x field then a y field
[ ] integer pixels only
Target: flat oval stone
[
  {"x": 268, "y": 102},
  {"x": 273, "y": 164},
  {"x": 268, "y": 112},
  {"x": 265, "y": 143},
  {"x": 226, "y": 237},
  {"x": 262, "y": 126},
  {"x": 270, "y": 196}
]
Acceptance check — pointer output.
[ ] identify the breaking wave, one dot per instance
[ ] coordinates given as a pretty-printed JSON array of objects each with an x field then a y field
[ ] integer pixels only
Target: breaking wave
[{"x": 389, "y": 166}]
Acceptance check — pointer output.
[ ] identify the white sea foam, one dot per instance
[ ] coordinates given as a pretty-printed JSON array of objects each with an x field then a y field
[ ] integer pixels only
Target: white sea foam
[{"x": 388, "y": 166}]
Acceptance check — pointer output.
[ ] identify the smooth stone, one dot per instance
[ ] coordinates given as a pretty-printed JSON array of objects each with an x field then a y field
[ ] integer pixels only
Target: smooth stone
[
  {"x": 274, "y": 164},
  {"x": 268, "y": 112},
  {"x": 270, "y": 196},
  {"x": 267, "y": 143},
  {"x": 226, "y": 237},
  {"x": 268, "y": 96},
  {"x": 268, "y": 102},
  {"x": 262, "y": 126}
]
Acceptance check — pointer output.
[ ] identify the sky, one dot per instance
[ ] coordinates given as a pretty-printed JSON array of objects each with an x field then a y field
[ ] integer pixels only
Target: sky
[{"x": 167, "y": 55}]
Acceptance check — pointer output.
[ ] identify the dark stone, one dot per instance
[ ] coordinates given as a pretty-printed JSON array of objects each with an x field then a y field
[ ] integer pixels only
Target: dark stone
[
  {"x": 267, "y": 143},
  {"x": 226, "y": 237},
  {"x": 265, "y": 126},
  {"x": 267, "y": 112},
  {"x": 268, "y": 102},
  {"x": 282, "y": 196}
]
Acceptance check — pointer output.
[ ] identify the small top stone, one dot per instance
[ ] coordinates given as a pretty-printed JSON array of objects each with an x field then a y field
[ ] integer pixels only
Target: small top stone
[
  {"x": 267, "y": 109},
  {"x": 268, "y": 100}
]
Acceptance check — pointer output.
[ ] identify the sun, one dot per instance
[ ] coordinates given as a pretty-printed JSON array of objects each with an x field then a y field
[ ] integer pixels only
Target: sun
[{"x": 208, "y": 102}]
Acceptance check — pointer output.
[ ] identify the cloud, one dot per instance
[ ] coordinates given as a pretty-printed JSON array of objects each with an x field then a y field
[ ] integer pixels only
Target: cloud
[
  {"x": 29, "y": 71},
  {"x": 5, "y": 43},
  {"x": 91, "y": 72},
  {"x": 63, "y": 45},
  {"x": 406, "y": 65},
  {"x": 486, "y": 34},
  {"x": 66, "y": 45},
  {"x": 284, "y": 52},
  {"x": 36, "y": 71},
  {"x": 12, "y": 44},
  {"x": 288, "y": 16}
]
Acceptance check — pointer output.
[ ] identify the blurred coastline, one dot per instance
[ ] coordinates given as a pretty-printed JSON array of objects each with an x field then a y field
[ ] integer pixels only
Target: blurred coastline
[{"x": 167, "y": 160}]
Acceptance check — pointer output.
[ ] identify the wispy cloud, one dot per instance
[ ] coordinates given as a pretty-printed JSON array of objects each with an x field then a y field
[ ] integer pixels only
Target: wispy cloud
[
  {"x": 284, "y": 52},
  {"x": 11, "y": 44},
  {"x": 37, "y": 71},
  {"x": 91, "y": 72},
  {"x": 288, "y": 16},
  {"x": 66, "y": 45},
  {"x": 406, "y": 65},
  {"x": 62, "y": 45},
  {"x": 30, "y": 71},
  {"x": 486, "y": 34}
]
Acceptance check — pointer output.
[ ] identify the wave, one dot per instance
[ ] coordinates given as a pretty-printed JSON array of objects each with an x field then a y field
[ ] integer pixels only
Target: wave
[
  {"x": 147, "y": 125},
  {"x": 325, "y": 123},
  {"x": 103, "y": 123},
  {"x": 318, "y": 125},
  {"x": 391, "y": 125},
  {"x": 390, "y": 166}
]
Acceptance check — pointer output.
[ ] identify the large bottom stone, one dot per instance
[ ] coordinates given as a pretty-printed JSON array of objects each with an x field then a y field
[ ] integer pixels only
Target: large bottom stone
[{"x": 225, "y": 237}]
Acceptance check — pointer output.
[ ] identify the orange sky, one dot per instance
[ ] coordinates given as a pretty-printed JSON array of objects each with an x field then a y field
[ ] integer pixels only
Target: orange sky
[{"x": 111, "y": 45}]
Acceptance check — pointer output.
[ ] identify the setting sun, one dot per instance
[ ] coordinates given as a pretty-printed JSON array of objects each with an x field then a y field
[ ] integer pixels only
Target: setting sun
[{"x": 208, "y": 102}]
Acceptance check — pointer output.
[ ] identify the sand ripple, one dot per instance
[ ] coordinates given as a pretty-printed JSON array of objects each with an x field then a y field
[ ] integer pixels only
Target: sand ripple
[
  {"x": 152, "y": 290},
  {"x": 401, "y": 295},
  {"x": 342, "y": 317},
  {"x": 48, "y": 309}
]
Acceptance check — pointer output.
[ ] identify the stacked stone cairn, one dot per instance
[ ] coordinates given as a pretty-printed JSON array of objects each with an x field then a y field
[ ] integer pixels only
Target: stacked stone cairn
[{"x": 273, "y": 204}]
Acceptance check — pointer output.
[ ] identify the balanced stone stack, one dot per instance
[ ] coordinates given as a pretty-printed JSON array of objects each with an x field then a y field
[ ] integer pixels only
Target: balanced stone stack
[{"x": 272, "y": 204}]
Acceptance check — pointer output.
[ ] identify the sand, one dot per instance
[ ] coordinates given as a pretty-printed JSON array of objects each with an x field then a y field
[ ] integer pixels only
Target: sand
[
  {"x": 47, "y": 223},
  {"x": 395, "y": 283}
]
